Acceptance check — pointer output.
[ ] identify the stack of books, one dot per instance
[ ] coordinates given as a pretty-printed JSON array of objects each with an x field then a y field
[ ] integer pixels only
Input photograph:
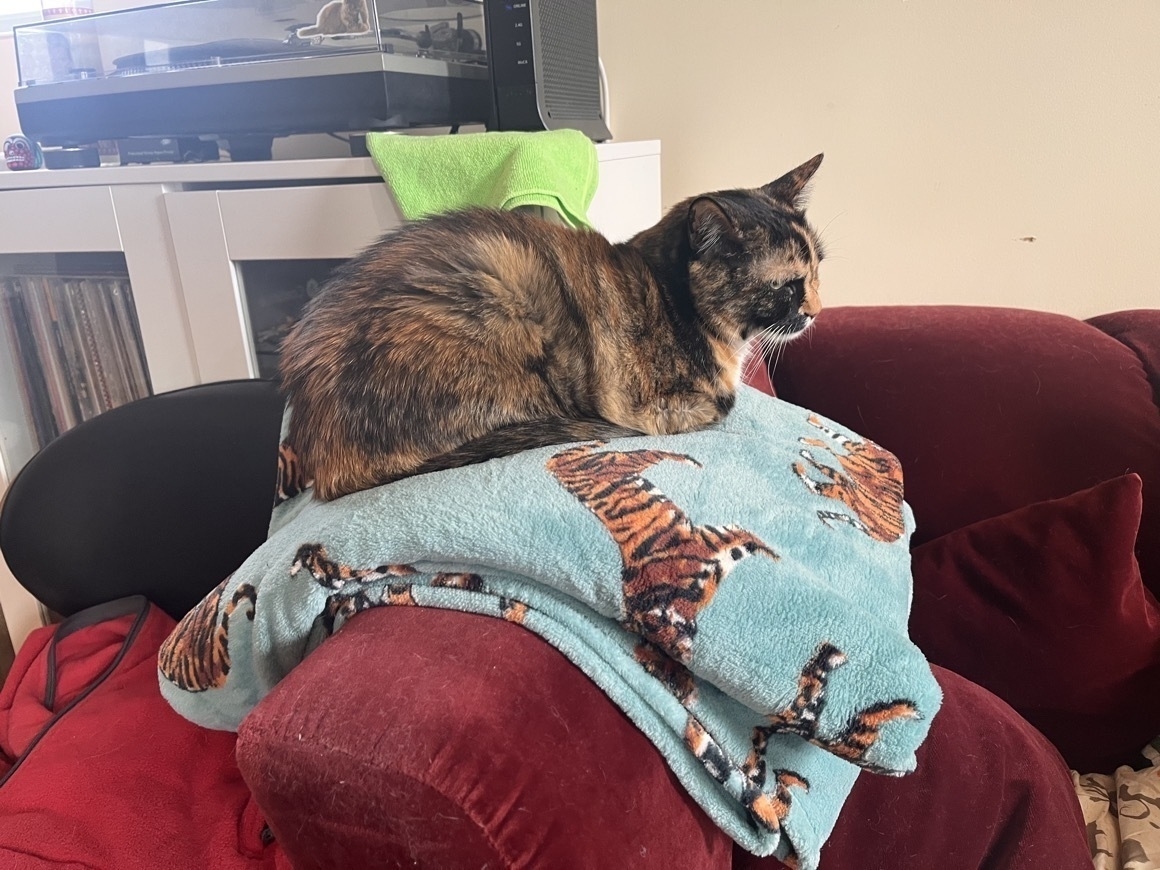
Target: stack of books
[{"x": 77, "y": 346}]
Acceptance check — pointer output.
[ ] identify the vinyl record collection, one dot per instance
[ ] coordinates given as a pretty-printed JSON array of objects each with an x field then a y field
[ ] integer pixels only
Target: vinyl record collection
[{"x": 77, "y": 345}]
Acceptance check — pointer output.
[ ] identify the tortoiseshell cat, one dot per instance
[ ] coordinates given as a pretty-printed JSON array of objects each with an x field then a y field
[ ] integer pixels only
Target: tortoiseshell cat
[{"x": 482, "y": 333}]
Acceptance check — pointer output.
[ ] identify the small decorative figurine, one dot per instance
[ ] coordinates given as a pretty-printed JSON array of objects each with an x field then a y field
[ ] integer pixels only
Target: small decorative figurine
[{"x": 22, "y": 153}]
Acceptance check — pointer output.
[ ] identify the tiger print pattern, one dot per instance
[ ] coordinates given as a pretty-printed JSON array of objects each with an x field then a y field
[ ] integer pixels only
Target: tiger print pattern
[
  {"x": 801, "y": 716},
  {"x": 346, "y": 606},
  {"x": 338, "y": 576},
  {"x": 869, "y": 484},
  {"x": 468, "y": 582},
  {"x": 765, "y": 808},
  {"x": 676, "y": 677},
  {"x": 291, "y": 477},
  {"x": 196, "y": 656},
  {"x": 512, "y": 610},
  {"x": 855, "y": 739},
  {"x": 768, "y": 810},
  {"x": 671, "y": 568},
  {"x": 335, "y": 575},
  {"x": 399, "y": 595},
  {"x": 706, "y": 749}
]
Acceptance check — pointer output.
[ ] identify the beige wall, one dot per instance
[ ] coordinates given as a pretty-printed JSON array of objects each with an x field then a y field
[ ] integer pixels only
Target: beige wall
[{"x": 951, "y": 131}]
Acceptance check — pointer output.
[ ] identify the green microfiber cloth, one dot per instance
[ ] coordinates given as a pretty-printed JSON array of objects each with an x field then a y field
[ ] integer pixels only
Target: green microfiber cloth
[{"x": 434, "y": 174}]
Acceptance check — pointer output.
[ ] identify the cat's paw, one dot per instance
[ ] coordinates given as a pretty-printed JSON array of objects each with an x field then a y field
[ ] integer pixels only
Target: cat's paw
[{"x": 684, "y": 412}]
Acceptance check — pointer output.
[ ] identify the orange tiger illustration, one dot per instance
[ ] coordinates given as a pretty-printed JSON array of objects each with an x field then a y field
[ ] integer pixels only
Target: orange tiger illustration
[
  {"x": 335, "y": 575},
  {"x": 677, "y": 678},
  {"x": 470, "y": 582},
  {"x": 196, "y": 656},
  {"x": 870, "y": 483},
  {"x": 399, "y": 595},
  {"x": 291, "y": 478},
  {"x": 767, "y": 810},
  {"x": 710, "y": 754},
  {"x": 345, "y": 605},
  {"x": 512, "y": 610},
  {"x": 671, "y": 568},
  {"x": 348, "y": 604},
  {"x": 802, "y": 715}
]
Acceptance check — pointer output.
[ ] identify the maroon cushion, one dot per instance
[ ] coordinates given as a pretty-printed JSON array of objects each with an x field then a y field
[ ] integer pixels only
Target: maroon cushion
[
  {"x": 988, "y": 409},
  {"x": 990, "y": 793},
  {"x": 1044, "y": 606},
  {"x": 433, "y": 738},
  {"x": 1138, "y": 330}
]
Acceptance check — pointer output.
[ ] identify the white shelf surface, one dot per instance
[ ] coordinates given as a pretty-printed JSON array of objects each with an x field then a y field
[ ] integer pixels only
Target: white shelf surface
[{"x": 225, "y": 172}]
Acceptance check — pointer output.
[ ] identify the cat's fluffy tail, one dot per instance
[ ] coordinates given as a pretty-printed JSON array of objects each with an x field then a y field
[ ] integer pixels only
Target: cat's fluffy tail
[{"x": 525, "y": 436}]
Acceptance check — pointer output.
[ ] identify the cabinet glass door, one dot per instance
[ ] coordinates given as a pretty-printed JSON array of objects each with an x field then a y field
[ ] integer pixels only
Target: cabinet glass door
[
  {"x": 70, "y": 346},
  {"x": 251, "y": 259},
  {"x": 274, "y": 293}
]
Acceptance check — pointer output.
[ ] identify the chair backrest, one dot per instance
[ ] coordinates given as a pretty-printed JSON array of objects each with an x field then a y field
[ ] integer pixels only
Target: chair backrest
[{"x": 163, "y": 497}]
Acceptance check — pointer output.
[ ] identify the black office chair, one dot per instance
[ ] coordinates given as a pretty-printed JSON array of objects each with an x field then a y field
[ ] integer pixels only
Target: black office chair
[{"x": 163, "y": 497}]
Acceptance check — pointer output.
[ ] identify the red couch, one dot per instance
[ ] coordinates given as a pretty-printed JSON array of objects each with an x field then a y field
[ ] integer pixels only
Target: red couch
[
  {"x": 1031, "y": 446},
  {"x": 441, "y": 739}
]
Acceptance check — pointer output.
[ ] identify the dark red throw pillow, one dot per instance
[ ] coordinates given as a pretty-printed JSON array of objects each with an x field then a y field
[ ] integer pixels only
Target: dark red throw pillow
[{"x": 1044, "y": 606}]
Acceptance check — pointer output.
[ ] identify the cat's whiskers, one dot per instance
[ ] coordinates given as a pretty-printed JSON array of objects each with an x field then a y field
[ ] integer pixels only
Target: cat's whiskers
[
  {"x": 764, "y": 341},
  {"x": 776, "y": 360},
  {"x": 744, "y": 361},
  {"x": 750, "y": 356},
  {"x": 767, "y": 344},
  {"x": 780, "y": 339}
]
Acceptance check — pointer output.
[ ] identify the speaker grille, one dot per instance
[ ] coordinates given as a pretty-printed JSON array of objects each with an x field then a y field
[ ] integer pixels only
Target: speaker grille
[{"x": 569, "y": 58}]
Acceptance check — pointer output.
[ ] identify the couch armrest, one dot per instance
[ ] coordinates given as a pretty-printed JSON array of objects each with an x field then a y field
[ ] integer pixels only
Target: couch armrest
[{"x": 436, "y": 738}]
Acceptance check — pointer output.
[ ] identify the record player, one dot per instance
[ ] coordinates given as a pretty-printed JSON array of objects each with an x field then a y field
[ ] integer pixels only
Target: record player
[{"x": 246, "y": 71}]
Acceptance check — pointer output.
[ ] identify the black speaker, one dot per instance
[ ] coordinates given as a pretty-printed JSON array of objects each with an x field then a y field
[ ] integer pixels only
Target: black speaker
[{"x": 544, "y": 65}]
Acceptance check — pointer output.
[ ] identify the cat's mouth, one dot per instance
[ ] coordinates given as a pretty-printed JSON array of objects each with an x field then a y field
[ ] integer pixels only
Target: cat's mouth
[{"x": 782, "y": 330}]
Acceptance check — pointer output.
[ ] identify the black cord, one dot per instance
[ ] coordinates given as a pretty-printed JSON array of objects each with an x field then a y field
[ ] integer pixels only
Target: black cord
[
  {"x": 345, "y": 139},
  {"x": 454, "y": 129}
]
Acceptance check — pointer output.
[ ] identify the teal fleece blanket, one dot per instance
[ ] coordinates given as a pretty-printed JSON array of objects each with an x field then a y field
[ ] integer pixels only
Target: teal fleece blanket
[{"x": 742, "y": 593}]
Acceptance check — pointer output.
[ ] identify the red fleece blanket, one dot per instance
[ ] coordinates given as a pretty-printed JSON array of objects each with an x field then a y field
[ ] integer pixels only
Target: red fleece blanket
[{"x": 97, "y": 771}]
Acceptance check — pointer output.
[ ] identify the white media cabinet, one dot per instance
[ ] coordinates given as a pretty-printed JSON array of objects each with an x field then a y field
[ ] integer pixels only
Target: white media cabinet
[{"x": 204, "y": 248}]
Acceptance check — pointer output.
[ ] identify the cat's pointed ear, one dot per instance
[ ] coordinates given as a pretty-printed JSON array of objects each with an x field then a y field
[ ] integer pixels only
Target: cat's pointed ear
[
  {"x": 709, "y": 225},
  {"x": 791, "y": 186}
]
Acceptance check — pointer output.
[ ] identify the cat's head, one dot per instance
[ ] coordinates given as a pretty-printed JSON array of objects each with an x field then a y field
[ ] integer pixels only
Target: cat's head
[{"x": 752, "y": 257}]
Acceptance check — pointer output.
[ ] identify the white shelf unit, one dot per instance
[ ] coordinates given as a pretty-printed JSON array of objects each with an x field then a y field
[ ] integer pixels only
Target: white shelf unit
[{"x": 187, "y": 233}]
